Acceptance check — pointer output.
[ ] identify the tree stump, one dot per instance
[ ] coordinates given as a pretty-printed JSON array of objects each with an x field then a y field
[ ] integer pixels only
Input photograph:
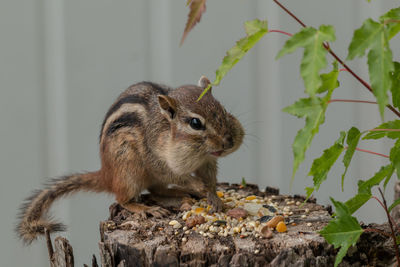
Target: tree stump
[{"x": 127, "y": 240}]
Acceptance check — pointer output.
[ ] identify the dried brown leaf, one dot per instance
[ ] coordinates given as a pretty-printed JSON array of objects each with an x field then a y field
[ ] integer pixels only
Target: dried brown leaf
[{"x": 197, "y": 8}]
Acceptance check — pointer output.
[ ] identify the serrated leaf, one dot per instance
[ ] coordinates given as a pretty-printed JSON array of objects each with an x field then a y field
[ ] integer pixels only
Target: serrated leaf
[
  {"x": 380, "y": 67},
  {"x": 353, "y": 137},
  {"x": 304, "y": 107},
  {"x": 387, "y": 179},
  {"x": 364, "y": 188},
  {"x": 395, "y": 157},
  {"x": 329, "y": 80},
  {"x": 197, "y": 8},
  {"x": 343, "y": 231},
  {"x": 394, "y": 204},
  {"x": 314, "y": 112},
  {"x": 322, "y": 165},
  {"x": 309, "y": 191},
  {"x": 314, "y": 57},
  {"x": 255, "y": 30},
  {"x": 392, "y": 21},
  {"x": 373, "y": 36},
  {"x": 395, "y": 125},
  {"x": 395, "y": 89},
  {"x": 364, "y": 38}
]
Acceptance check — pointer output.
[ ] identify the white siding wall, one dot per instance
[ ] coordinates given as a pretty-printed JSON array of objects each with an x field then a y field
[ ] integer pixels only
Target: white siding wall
[{"x": 62, "y": 63}]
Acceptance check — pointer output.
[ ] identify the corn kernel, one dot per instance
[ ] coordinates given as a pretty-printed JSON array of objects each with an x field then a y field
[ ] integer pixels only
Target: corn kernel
[
  {"x": 220, "y": 194},
  {"x": 199, "y": 210},
  {"x": 281, "y": 227},
  {"x": 251, "y": 197}
]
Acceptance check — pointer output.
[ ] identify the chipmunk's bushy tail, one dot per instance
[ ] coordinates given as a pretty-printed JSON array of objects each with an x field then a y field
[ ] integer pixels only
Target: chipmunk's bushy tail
[{"x": 31, "y": 222}]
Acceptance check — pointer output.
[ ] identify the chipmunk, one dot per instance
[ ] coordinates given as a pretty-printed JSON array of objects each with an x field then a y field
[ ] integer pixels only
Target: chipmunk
[{"x": 152, "y": 136}]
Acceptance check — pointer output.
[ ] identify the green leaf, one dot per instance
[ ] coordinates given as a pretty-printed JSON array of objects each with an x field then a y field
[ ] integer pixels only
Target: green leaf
[
  {"x": 314, "y": 57},
  {"x": 314, "y": 112},
  {"x": 322, "y": 165},
  {"x": 392, "y": 21},
  {"x": 395, "y": 157},
  {"x": 380, "y": 66},
  {"x": 244, "y": 183},
  {"x": 330, "y": 80},
  {"x": 373, "y": 35},
  {"x": 364, "y": 188},
  {"x": 395, "y": 89},
  {"x": 255, "y": 30},
  {"x": 353, "y": 137},
  {"x": 395, "y": 125},
  {"x": 364, "y": 38},
  {"x": 309, "y": 191},
  {"x": 343, "y": 231},
  {"x": 388, "y": 176},
  {"x": 394, "y": 204}
]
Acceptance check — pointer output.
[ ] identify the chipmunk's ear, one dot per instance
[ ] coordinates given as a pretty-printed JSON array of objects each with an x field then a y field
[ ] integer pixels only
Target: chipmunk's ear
[
  {"x": 204, "y": 82},
  {"x": 168, "y": 106}
]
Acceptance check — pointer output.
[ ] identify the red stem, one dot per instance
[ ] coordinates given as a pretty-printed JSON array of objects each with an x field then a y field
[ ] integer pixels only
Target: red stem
[
  {"x": 390, "y": 219},
  {"x": 371, "y": 152},
  {"x": 384, "y": 130},
  {"x": 352, "y": 101},
  {"x": 383, "y": 206},
  {"x": 286, "y": 33},
  {"x": 326, "y": 45},
  {"x": 377, "y": 231},
  {"x": 343, "y": 70}
]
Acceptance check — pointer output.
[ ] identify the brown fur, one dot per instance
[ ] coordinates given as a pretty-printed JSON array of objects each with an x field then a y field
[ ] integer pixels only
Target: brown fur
[{"x": 147, "y": 142}]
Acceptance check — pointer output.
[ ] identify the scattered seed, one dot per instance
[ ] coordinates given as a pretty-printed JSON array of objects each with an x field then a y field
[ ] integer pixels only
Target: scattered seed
[
  {"x": 274, "y": 221},
  {"x": 173, "y": 222},
  {"x": 195, "y": 220},
  {"x": 270, "y": 208},
  {"x": 237, "y": 213},
  {"x": 281, "y": 227},
  {"x": 220, "y": 194},
  {"x": 219, "y": 223},
  {"x": 266, "y": 232},
  {"x": 265, "y": 219},
  {"x": 250, "y": 197}
]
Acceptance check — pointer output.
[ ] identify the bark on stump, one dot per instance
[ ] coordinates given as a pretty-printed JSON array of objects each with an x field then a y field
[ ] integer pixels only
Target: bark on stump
[{"x": 129, "y": 241}]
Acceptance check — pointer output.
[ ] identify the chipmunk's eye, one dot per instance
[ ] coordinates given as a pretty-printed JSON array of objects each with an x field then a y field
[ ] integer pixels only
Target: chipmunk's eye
[{"x": 196, "y": 124}]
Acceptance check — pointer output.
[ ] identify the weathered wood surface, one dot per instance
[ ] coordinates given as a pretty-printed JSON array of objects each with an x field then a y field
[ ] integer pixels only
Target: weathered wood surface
[
  {"x": 63, "y": 254},
  {"x": 130, "y": 241}
]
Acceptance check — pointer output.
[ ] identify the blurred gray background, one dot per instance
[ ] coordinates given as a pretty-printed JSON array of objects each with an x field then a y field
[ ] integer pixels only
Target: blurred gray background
[{"x": 62, "y": 64}]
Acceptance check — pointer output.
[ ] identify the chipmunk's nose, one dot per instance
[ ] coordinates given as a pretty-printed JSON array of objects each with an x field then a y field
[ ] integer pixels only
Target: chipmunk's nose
[{"x": 228, "y": 142}]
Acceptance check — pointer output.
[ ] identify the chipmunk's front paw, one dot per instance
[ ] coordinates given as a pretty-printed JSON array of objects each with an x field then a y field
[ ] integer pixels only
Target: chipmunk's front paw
[
  {"x": 215, "y": 202},
  {"x": 142, "y": 210}
]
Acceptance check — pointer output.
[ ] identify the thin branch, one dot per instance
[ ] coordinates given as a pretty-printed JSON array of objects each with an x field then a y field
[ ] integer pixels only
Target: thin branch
[
  {"x": 352, "y": 101},
  {"x": 377, "y": 231},
  {"x": 279, "y": 31},
  {"x": 326, "y": 45},
  {"x": 384, "y": 130},
  {"x": 396, "y": 247},
  {"x": 290, "y": 13},
  {"x": 370, "y": 152}
]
